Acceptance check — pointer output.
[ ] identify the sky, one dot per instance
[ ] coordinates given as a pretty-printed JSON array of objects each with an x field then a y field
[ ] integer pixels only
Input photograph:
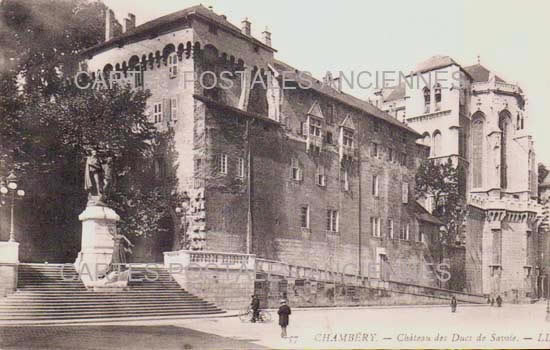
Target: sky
[{"x": 512, "y": 38}]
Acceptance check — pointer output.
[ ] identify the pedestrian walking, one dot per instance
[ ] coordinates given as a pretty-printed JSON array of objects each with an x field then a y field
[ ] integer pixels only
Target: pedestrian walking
[
  {"x": 492, "y": 301},
  {"x": 499, "y": 301},
  {"x": 453, "y": 304},
  {"x": 284, "y": 313}
]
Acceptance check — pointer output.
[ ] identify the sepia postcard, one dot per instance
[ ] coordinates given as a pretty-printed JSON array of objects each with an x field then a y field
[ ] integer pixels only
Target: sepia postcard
[{"x": 274, "y": 174}]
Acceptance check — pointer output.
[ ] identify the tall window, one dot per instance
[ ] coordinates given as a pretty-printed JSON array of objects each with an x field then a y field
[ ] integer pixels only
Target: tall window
[
  {"x": 332, "y": 220},
  {"x": 157, "y": 112},
  {"x": 437, "y": 144},
  {"x": 477, "y": 149},
  {"x": 427, "y": 99},
  {"x": 172, "y": 65},
  {"x": 504, "y": 123},
  {"x": 321, "y": 177},
  {"x": 222, "y": 163},
  {"x": 174, "y": 108},
  {"x": 374, "y": 149},
  {"x": 405, "y": 232},
  {"x": 375, "y": 224},
  {"x": 437, "y": 95},
  {"x": 405, "y": 192},
  {"x": 295, "y": 170},
  {"x": 304, "y": 216},
  {"x": 390, "y": 228},
  {"x": 390, "y": 155},
  {"x": 345, "y": 180},
  {"x": 375, "y": 185},
  {"x": 241, "y": 168}
]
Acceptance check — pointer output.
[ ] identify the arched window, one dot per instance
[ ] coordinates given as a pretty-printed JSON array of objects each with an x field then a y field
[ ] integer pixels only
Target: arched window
[
  {"x": 504, "y": 124},
  {"x": 437, "y": 144},
  {"x": 478, "y": 136},
  {"x": 427, "y": 141},
  {"x": 427, "y": 97}
]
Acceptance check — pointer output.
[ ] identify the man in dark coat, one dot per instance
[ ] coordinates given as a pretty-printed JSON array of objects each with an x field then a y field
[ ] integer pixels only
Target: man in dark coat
[
  {"x": 453, "y": 304},
  {"x": 284, "y": 313},
  {"x": 499, "y": 301},
  {"x": 255, "y": 305}
]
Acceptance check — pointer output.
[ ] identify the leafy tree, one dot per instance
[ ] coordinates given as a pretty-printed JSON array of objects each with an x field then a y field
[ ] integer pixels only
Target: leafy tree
[
  {"x": 47, "y": 125},
  {"x": 543, "y": 172},
  {"x": 444, "y": 183}
]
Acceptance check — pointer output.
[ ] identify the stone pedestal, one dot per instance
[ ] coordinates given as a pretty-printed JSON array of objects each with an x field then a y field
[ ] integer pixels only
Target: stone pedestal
[
  {"x": 98, "y": 228},
  {"x": 9, "y": 259}
]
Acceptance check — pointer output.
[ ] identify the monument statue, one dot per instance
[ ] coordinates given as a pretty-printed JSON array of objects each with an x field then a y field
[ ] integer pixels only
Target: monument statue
[{"x": 97, "y": 177}]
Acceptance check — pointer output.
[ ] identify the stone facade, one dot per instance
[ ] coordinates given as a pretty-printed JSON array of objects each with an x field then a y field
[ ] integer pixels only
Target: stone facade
[
  {"x": 477, "y": 119},
  {"x": 290, "y": 168}
]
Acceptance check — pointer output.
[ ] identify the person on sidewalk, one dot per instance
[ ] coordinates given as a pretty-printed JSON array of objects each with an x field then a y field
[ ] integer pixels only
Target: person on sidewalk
[
  {"x": 499, "y": 301},
  {"x": 255, "y": 306},
  {"x": 284, "y": 313},
  {"x": 453, "y": 304}
]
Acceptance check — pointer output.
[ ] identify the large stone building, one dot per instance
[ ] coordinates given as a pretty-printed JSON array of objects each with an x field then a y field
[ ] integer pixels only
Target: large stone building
[
  {"x": 477, "y": 119},
  {"x": 291, "y": 169}
]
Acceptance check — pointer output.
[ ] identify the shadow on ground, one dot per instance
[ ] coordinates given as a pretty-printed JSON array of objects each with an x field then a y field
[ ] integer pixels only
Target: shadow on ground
[{"x": 116, "y": 337}]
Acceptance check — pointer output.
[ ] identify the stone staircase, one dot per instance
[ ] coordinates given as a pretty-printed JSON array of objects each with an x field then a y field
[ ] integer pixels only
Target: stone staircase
[{"x": 54, "y": 293}]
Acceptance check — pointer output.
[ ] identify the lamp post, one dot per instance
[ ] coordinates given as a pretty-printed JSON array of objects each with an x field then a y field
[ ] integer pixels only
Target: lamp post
[{"x": 10, "y": 189}]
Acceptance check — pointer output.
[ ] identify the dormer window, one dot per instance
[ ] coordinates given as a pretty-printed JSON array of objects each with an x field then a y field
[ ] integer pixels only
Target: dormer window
[
  {"x": 315, "y": 127},
  {"x": 348, "y": 138},
  {"x": 427, "y": 99}
]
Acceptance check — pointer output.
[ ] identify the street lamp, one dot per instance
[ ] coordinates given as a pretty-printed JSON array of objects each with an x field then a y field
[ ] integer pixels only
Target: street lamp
[{"x": 11, "y": 189}]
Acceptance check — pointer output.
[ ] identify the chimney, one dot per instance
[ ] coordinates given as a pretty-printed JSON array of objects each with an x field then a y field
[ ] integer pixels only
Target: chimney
[
  {"x": 245, "y": 26},
  {"x": 130, "y": 22},
  {"x": 266, "y": 37},
  {"x": 109, "y": 16}
]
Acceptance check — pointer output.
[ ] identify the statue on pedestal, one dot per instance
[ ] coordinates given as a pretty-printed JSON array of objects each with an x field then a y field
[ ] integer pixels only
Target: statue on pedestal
[{"x": 97, "y": 177}]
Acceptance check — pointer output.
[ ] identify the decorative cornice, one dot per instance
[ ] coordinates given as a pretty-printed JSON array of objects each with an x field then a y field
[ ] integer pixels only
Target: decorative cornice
[{"x": 428, "y": 116}]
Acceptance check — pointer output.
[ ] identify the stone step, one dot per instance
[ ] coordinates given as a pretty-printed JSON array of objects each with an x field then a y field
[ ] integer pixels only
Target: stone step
[
  {"x": 77, "y": 316},
  {"x": 21, "y": 303},
  {"x": 50, "y": 293},
  {"x": 112, "y": 308},
  {"x": 84, "y": 292}
]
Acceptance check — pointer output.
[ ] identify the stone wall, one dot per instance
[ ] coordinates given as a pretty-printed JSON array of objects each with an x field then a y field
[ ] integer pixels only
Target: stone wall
[
  {"x": 311, "y": 293},
  {"x": 228, "y": 289}
]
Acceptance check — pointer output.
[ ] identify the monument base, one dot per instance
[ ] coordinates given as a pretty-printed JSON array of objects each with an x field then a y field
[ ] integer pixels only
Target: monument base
[
  {"x": 98, "y": 228},
  {"x": 9, "y": 260}
]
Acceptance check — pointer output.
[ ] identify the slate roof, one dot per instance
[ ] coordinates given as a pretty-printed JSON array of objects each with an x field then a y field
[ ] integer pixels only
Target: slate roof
[
  {"x": 434, "y": 62},
  {"x": 142, "y": 31},
  {"x": 480, "y": 73},
  {"x": 293, "y": 74}
]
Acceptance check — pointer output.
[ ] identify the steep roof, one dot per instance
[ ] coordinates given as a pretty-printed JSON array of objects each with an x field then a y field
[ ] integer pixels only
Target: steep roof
[
  {"x": 142, "y": 31},
  {"x": 480, "y": 73},
  {"x": 397, "y": 93},
  {"x": 434, "y": 62},
  {"x": 293, "y": 74}
]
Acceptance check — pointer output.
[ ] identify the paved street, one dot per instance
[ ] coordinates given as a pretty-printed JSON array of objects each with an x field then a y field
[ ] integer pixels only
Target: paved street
[{"x": 519, "y": 326}]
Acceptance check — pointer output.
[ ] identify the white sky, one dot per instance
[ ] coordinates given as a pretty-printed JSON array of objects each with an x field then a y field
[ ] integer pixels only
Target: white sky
[{"x": 511, "y": 37}]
